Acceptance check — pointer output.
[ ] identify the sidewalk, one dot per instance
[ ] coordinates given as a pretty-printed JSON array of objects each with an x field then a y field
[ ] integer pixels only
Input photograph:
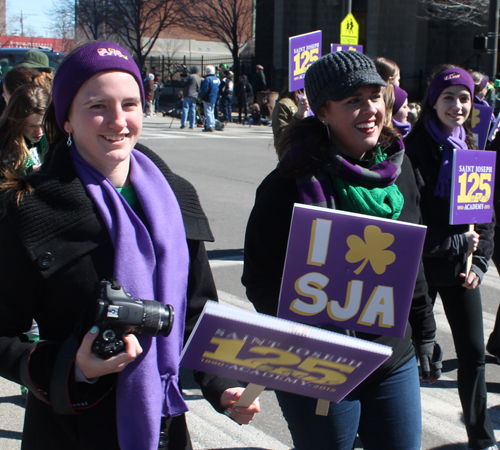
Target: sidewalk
[{"x": 176, "y": 123}]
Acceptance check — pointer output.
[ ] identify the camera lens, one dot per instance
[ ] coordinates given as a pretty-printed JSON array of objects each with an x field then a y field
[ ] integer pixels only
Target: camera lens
[{"x": 158, "y": 318}]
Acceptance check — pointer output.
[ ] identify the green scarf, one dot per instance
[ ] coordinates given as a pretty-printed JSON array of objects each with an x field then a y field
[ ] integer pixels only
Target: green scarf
[{"x": 386, "y": 202}]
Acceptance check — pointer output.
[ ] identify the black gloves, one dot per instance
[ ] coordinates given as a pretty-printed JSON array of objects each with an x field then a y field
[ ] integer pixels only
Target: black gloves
[{"x": 430, "y": 356}]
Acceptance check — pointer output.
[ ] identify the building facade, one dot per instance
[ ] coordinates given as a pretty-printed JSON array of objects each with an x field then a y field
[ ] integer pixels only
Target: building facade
[{"x": 394, "y": 29}]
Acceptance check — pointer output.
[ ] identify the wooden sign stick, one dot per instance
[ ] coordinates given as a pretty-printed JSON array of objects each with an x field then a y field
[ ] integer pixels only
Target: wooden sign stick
[
  {"x": 322, "y": 407},
  {"x": 469, "y": 256},
  {"x": 251, "y": 392}
]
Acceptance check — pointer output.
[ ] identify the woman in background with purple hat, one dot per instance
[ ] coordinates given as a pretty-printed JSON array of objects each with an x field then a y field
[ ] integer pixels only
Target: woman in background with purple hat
[
  {"x": 442, "y": 126},
  {"x": 102, "y": 206},
  {"x": 400, "y": 112},
  {"x": 345, "y": 158}
]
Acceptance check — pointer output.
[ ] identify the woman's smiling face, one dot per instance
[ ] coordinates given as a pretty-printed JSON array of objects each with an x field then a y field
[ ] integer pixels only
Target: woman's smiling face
[
  {"x": 105, "y": 120},
  {"x": 355, "y": 122},
  {"x": 453, "y": 107}
]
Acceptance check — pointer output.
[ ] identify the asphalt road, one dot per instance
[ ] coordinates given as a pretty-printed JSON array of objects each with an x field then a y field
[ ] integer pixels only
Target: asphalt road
[{"x": 226, "y": 168}]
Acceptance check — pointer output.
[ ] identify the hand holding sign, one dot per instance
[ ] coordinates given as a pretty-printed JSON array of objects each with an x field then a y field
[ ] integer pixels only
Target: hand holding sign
[
  {"x": 240, "y": 404},
  {"x": 472, "y": 240},
  {"x": 471, "y": 200}
]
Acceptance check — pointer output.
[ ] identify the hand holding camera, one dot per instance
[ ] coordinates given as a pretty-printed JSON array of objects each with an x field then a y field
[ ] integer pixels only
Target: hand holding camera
[
  {"x": 118, "y": 313},
  {"x": 118, "y": 317},
  {"x": 93, "y": 366}
]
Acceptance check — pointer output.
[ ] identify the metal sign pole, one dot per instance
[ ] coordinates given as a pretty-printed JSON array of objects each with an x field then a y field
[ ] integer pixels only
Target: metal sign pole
[{"x": 492, "y": 50}]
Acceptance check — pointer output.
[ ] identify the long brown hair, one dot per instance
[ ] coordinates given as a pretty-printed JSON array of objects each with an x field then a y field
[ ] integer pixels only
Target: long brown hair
[
  {"x": 285, "y": 93},
  {"x": 18, "y": 76},
  {"x": 14, "y": 154}
]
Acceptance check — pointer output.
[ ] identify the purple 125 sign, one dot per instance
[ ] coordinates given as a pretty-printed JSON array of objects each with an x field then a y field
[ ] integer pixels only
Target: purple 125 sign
[
  {"x": 304, "y": 50},
  {"x": 472, "y": 182}
]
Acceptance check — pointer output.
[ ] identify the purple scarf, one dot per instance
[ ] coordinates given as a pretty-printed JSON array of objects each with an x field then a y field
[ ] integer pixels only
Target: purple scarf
[
  {"x": 403, "y": 128},
  {"x": 149, "y": 266},
  {"x": 448, "y": 142},
  {"x": 317, "y": 189}
]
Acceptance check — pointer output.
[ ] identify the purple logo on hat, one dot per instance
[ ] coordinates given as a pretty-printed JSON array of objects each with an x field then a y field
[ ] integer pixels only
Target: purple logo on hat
[
  {"x": 111, "y": 52},
  {"x": 451, "y": 76}
]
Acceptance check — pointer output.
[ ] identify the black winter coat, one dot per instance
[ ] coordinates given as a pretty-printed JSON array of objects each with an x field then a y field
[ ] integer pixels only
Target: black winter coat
[
  {"x": 443, "y": 261},
  {"x": 54, "y": 248}
]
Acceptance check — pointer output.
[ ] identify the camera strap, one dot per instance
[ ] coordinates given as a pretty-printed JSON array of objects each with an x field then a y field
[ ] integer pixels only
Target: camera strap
[
  {"x": 25, "y": 373},
  {"x": 59, "y": 383}
]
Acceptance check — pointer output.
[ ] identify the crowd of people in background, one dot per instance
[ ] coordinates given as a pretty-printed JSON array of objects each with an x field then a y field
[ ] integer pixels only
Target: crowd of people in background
[
  {"x": 351, "y": 122},
  {"x": 207, "y": 99}
]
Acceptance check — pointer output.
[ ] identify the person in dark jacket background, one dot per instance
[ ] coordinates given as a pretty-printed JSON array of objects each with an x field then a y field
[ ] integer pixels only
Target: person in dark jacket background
[
  {"x": 192, "y": 85},
  {"x": 226, "y": 90},
  {"x": 243, "y": 93},
  {"x": 259, "y": 81},
  {"x": 444, "y": 125}
]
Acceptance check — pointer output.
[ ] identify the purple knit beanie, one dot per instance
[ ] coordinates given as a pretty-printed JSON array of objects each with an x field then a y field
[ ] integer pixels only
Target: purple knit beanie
[
  {"x": 449, "y": 77},
  {"x": 85, "y": 62},
  {"x": 400, "y": 95}
]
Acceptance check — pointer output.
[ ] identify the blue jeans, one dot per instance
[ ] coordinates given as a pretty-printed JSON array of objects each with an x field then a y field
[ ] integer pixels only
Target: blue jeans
[
  {"x": 188, "y": 108},
  {"x": 387, "y": 415},
  {"x": 209, "y": 114},
  {"x": 226, "y": 107}
]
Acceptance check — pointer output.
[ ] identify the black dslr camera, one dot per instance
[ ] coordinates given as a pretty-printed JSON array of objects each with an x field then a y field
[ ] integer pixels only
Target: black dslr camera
[{"x": 118, "y": 313}]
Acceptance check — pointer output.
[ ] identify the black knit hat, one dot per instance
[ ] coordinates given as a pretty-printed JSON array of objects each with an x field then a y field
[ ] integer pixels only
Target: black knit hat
[{"x": 337, "y": 76}]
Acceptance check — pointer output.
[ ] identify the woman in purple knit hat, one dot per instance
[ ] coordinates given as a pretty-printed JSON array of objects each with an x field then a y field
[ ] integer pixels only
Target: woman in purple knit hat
[
  {"x": 444, "y": 125},
  {"x": 104, "y": 207}
]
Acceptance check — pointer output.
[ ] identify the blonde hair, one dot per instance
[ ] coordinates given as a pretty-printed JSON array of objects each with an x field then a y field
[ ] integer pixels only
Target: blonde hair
[{"x": 389, "y": 99}]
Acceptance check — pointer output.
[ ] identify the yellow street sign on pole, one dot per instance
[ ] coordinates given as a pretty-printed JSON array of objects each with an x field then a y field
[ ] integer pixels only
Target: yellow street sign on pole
[{"x": 349, "y": 30}]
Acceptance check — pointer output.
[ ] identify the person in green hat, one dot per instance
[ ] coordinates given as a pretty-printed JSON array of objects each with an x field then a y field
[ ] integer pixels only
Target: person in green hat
[{"x": 37, "y": 60}]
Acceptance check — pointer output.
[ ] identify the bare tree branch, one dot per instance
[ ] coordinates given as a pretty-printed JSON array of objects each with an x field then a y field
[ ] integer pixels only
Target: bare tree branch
[
  {"x": 91, "y": 19},
  {"x": 139, "y": 23},
  {"x": 227, "y": 21},
  {"x": 458, "y": 12},
  {"x": 63, "y": 22}
]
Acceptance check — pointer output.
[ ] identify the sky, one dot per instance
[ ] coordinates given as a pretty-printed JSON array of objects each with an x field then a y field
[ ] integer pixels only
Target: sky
[{"x": 34, "y": 16}]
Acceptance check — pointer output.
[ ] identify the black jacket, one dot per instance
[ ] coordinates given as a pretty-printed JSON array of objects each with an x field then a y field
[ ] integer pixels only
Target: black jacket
[
  {"x": 443, "y": 259},
  {"x": 243, "y": 91},
  {"x": 54, "y": 248},
  {"x": 265, "y": 250}
]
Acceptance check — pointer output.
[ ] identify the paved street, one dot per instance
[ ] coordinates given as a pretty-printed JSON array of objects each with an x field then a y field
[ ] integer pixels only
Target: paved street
[{"x": 226, "y": 168}]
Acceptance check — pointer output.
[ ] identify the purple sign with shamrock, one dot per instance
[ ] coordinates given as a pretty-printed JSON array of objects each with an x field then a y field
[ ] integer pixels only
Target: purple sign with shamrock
[
  {"x": 349, "y": 270},
  {"x": 472, "y": 184},
  {"x": 344, "y": 47},
  {"x": 304, "y": 50},
  {"x": 481, "y": 121},
  {"x": 256, "y": 348}
]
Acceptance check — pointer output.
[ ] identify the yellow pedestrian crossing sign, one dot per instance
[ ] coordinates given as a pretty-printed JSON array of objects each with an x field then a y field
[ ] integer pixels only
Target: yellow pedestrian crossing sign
[{"x": 349, "y": 30}]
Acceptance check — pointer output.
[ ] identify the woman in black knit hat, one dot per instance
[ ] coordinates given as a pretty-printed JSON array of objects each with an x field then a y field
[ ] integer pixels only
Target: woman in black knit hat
[{"x": 339, "y": 153}]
